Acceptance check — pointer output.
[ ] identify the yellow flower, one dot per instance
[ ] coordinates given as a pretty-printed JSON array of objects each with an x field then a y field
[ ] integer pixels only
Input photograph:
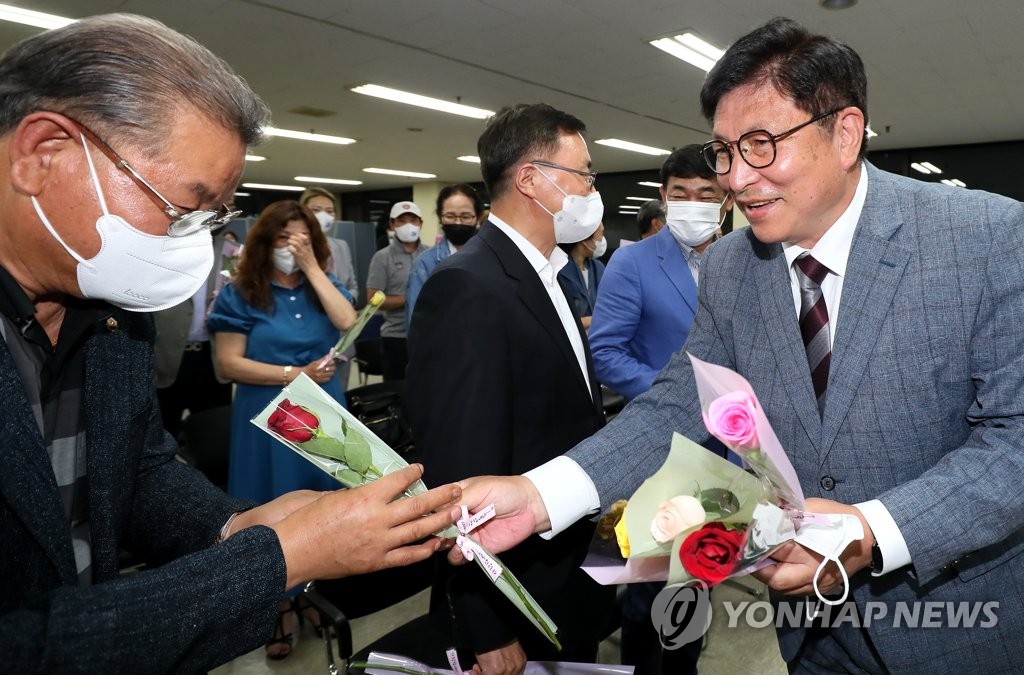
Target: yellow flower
[
  {"x": 378, "y": 299},
  {"x": 622, "y": 536}
]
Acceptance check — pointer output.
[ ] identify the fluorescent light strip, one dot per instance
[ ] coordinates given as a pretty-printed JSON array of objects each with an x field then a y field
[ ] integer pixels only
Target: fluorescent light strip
[
  {"x": 632, "y": 147},
  {"x": 628, "y": 206},
  {"x": 394, "y": 172},
  {"x": 959, "y": 183},
  {"x": 679, "y": 50},
  {"x": 333, "y": 181},
  {"x": 628, "y": 213},
  {"x": 472, "y": 159},
  {"x": 700, "y": 46},
  {"x": 30, "y": 18},
  {"x": 647, "y": 183},
  {"x": 306, "y": 136},
  {"x": 242, "y": 194},
  {"x": 422, "y": 101},
  {"x": 255, "y": 158},
  {"x": 931, "y": 167},
  {"x": 871, "y": 132},
  {"x": 639, "y": 199},
  {"x": 920, "y": 168},
  {"x": 267, "y": 186}
]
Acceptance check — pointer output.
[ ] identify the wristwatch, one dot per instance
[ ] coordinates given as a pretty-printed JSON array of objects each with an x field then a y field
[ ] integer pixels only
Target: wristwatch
[{"x": 876, "y": 558}]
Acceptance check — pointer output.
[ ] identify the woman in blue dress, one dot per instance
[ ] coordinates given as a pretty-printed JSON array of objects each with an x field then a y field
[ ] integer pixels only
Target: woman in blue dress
[{"x": 280, "y": 316}]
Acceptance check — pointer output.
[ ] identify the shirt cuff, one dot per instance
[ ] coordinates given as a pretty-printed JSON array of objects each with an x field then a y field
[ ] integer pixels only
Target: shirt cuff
[
  {"x": 887, "y": 535},
  {"x": 567, "y": 492}
]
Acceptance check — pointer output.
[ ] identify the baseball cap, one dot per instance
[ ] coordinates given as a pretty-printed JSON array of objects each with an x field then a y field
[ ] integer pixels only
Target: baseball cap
[{"x": 405, "y": 207}]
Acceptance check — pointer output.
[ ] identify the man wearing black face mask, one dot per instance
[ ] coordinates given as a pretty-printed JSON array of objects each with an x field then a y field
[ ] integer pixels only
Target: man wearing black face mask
[{"x": 459, "y": 210}]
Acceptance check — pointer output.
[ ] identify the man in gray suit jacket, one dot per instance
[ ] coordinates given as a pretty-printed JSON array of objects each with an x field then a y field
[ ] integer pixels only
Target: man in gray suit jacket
[
  {"x": 88, "y": 247},
  {"x": 912, "y": 416}
]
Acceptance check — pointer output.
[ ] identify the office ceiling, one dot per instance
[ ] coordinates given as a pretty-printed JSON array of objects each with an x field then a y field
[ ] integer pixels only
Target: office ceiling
[{"x": 941, "y": 72}]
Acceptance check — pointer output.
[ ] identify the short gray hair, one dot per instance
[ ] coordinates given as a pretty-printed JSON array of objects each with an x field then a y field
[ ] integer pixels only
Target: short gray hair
[{"x": 125, "y": 76}]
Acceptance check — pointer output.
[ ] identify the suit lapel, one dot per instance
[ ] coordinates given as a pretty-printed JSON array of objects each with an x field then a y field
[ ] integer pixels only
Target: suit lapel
[
  {"x": 535, "y": 297},
  {"x": 674, "y": 265},
  {"x": 26, "y": 480},
  {"x": 779, "y": 315},
  {"x": 873, "y": 272}
]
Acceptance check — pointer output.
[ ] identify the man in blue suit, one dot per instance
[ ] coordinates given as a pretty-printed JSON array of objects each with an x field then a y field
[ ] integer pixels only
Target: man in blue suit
[
  {"x": 648, "y": 297},
  {"x": 901, "y": 403}
]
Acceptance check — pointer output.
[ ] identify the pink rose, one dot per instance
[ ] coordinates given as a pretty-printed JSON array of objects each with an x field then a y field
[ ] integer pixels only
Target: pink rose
[
  {"x": 730, "y": 419},
  {"x": 676, "y": 515}
]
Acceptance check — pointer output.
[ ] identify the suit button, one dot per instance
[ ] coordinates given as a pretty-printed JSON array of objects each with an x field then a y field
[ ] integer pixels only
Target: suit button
[{"x": 827, "y": 483}]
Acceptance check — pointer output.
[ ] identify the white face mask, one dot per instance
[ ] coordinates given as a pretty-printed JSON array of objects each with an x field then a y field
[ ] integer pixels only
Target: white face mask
[
  {"x": 137, "y": 271},
  {"x": 325, "y": 219},
  {"x": 284, "y": 260},
  {"x": 692, "y": 223},
  {"x": 580, "y": 215},
  {"x": 407, "y": 233},
  {"x": 600, "y": 247}
]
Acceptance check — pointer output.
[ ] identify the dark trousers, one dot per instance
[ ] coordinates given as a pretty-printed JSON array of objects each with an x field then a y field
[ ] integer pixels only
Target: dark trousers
[
  {"x": 640, "y": 644},
  {"x": 394, "y": 358},
  {"x": 195, "y": 388}
]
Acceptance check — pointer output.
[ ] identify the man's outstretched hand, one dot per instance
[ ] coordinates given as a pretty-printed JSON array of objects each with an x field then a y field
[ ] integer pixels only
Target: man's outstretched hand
[{"x": 520, "y": 512}]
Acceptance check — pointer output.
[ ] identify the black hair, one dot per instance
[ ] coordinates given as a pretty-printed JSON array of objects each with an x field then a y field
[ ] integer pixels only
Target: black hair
[
  {"x": 816, "y": 72},
  {"x": 515, "y": 133},
  {"x": 647, "y": 213},
  {"x": 686, "y": 162},
  {"x": 463, "y": 189}
]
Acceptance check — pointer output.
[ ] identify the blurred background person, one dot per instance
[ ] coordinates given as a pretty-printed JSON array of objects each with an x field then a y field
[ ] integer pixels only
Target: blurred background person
[
  {"x": 460, "y": 212},
  {"x": 325, "y": 208},
  {"x": 581, "y": 277},
  {"x": 279, "y": 317},
  {"x": 650, "y": 218},
  {"x": 389, "y": 272}
]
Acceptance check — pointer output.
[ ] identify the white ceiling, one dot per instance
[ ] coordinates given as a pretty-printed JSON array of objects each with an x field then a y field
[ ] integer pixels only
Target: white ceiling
[{"x": 940, "y": 72}]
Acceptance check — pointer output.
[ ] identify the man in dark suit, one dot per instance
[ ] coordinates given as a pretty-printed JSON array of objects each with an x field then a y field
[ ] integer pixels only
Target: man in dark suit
[
  {"x": 87, "y": 248},
  {"x": 500, "y": 377},
  {"x": 878, "y": 320}
]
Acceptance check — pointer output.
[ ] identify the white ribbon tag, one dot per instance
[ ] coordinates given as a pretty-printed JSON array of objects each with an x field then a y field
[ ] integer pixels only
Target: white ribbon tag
[
  {"x": 468, "y": 523},
  {"x": 453, "y": 661},
  {"x": 473, "y": 551},
  {"x": 830, "y": 541}
]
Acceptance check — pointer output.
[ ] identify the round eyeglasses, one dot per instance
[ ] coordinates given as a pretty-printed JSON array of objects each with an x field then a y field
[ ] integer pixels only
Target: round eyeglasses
[
  {"x": 183, "y": 221},
  {"x": 757, "y": 148},
  {"x": 458, "y": 219}
]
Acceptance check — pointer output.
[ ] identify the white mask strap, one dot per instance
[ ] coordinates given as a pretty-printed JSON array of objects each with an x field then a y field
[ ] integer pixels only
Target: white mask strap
[
  {"x": 95, "y": 178},
  {"x": 53, "y": 233},
  {"x": 834, "y": 557}
]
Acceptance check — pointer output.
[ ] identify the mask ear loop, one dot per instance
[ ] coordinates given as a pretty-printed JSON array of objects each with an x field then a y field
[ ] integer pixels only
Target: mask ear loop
[
  {"x": 95, "y": 178},
  {"x": 842, "y": 571}
]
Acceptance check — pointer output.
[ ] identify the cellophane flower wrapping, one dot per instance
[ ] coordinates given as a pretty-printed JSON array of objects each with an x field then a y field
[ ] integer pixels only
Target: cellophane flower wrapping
[{"x": 708, "y": 518}]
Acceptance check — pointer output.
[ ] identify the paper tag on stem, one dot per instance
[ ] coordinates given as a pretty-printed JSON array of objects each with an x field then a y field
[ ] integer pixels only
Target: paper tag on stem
[
  {"x": 473, "y": 551},
  {"x": 453, "y": 661},
  {"x": 469, "y": 523}
]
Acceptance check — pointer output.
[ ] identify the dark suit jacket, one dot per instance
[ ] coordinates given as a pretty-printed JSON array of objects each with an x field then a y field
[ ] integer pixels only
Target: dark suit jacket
[
  {"x": 495, "y": 388},
  {"x": 924, "y": 411},
  {"x": 205, "y": 604}
]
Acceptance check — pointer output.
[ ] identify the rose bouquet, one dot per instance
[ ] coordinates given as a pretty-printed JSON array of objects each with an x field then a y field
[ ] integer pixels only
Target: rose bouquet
[
  {"x": 379, "y": 663},
  {"x": 310, "y": 422},
  {"x": 704, "y": 518}
]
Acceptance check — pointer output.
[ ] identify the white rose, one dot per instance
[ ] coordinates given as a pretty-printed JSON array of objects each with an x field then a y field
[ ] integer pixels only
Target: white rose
[{"x": 674, "y": 516}]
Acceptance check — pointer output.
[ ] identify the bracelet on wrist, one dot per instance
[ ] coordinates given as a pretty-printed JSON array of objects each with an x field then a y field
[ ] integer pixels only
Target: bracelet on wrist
[{"x": 286, "y": 375}]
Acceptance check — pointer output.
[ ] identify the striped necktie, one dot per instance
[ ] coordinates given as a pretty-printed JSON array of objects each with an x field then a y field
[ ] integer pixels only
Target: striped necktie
[{"x": 814, "y": 322}]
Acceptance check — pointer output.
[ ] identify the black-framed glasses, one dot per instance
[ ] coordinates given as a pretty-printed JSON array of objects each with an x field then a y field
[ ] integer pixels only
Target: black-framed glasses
[
  {"x": 458, "y": 219},
  {"x": 183, "y": 221},
  {"x": 588, "y": 176},
  {"x": 757, "y": 148}
]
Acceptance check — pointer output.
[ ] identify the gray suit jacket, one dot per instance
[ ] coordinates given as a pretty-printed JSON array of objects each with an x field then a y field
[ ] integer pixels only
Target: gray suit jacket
[
  {"x": 204, "y": 604},
  {"x": 925, "y": 405}
]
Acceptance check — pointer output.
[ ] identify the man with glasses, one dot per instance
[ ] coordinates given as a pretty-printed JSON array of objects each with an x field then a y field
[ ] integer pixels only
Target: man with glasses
[
  {"x": 500, "y": 377},
  {"x": 878, "y": 320},
  {"x": 112, "y": 182}
]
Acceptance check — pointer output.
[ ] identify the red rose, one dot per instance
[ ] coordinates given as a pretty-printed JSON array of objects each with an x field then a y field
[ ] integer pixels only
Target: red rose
[
  {"x": 293, "y": 422},
  {"x": 710, "y": 553}
]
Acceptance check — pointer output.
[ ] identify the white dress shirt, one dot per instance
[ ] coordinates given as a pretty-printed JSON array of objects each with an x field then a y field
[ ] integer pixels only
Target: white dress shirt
[
  {"x": 547, "y": 269},
  {"x": 569, "y": 493}
]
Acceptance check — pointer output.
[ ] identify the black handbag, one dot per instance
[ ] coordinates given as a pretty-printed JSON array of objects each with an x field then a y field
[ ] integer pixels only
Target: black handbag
[{"x": 381, "y": 407}]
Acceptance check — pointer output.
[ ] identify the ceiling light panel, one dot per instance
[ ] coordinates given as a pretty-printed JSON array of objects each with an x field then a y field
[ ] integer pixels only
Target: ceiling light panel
[
  {"x": 408, "y": 98},
  {"x": 632, "y": 147},
  {"x": 396, "y": 172},
  {"x": 333, "y": 181},
  {"x": 307, "y": 136}
]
